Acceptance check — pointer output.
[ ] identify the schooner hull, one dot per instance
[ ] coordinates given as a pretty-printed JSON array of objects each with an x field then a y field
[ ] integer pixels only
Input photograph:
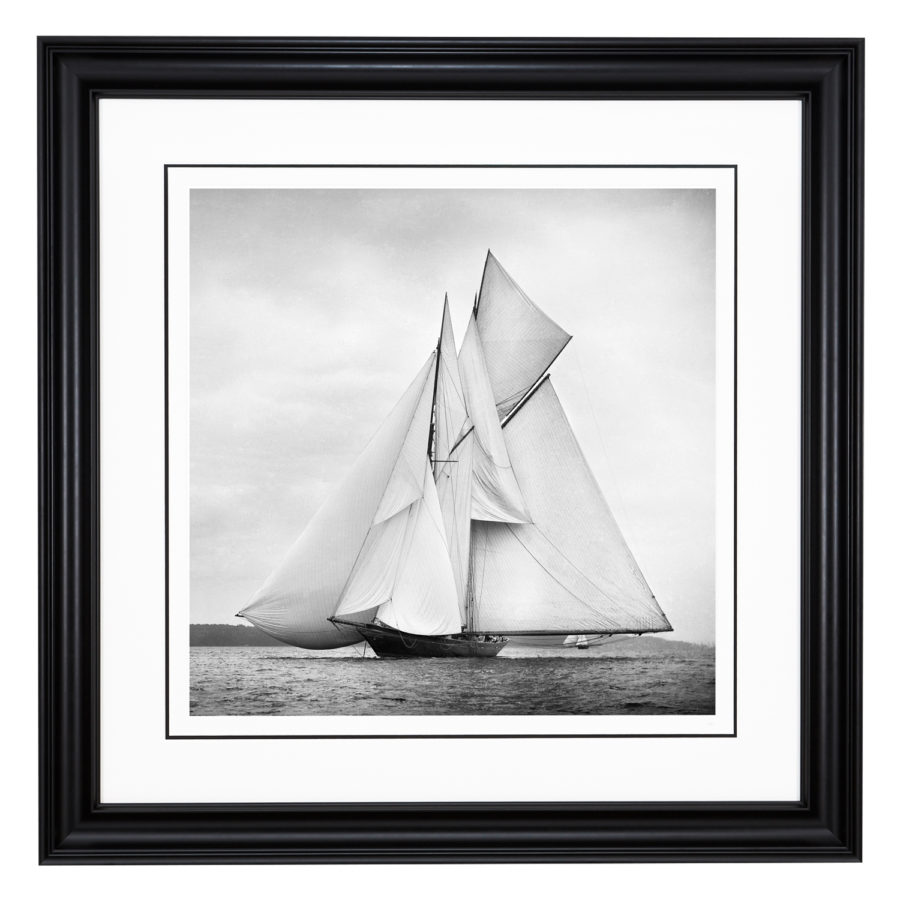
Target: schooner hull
[{"x": 391, "y": 644}]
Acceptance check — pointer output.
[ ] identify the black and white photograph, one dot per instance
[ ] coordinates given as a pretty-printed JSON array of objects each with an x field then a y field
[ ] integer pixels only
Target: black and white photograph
[
  {"x": 452, "y": 452},
  {"x": 486, "y": 408}
]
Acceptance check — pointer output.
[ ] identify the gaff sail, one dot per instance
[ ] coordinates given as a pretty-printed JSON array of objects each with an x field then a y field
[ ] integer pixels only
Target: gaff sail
[{"x": 569, "y": 570}]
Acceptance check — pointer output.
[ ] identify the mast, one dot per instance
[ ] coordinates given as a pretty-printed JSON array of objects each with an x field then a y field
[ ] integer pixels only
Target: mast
[
  {"x": 470, "y": 596},
  {"x": 453, "y": 470},
  {"x": 437, "y": 366},
  {"x": 481, "y": 285}
]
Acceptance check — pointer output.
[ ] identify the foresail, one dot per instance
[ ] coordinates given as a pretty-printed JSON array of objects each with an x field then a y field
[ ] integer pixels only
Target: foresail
[
  {"x": 570, "y": 570},
  {"x": 496, "y": 496},
  {"x": 519, "y": 339},
  {"x": 296, "y": 600}
]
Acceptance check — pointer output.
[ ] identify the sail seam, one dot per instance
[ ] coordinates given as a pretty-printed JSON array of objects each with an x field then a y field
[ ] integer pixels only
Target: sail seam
[
  {"x": 563, "y": 586},
  {"x": 644, "y": 606}
]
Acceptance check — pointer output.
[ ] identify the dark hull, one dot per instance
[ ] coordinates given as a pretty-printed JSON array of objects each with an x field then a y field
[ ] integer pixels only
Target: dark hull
[{"x": 391, "y": 644}]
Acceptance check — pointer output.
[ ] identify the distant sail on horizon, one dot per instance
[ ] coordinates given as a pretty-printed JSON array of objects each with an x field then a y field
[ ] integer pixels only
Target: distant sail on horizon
[{"x": 471, "y": 517}]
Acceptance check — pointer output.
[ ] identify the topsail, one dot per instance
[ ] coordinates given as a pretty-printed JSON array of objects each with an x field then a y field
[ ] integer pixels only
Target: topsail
[
  {"x": 472, "y": 512},
  {"x": 520, "y": 340}
]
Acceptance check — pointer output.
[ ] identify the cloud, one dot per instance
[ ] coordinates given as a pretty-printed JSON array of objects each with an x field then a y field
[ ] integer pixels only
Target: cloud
[{"x": 312, "y": 310}]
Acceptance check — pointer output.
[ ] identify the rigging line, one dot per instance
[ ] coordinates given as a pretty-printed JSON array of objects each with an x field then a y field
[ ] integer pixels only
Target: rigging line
[
  {"x": 613, "y": 480},
  {"x": 481, "y": 283},
  {"x": 563, "y": 586},
  {"x": 483, "y": 566},
  {"x": 458, "y": 392},
  {"x": 643, "y": 605},
  {"x": 633, "y": 563},
  {"x": 552, "y": 576},
  {"x": 447, "y": 379},
  {"x": 354, "y": 647},
  {"x": 437, "y": 369}
]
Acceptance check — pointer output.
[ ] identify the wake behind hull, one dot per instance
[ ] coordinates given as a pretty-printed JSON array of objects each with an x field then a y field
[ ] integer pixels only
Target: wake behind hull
[{"x": 389, "y": 643}]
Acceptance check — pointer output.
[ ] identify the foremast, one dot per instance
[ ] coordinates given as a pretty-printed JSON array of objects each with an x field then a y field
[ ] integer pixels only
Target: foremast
[{"x": 432, "y": 456}]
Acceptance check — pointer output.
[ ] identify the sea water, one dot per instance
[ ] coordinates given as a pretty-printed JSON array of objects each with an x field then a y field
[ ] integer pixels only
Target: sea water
[{"x": 618, "y": 679}]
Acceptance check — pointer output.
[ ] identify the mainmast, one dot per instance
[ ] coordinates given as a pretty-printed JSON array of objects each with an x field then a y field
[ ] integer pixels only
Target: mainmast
[
  {"x": 437, "y": 366},
  {"x": 470, "y": 595},
  {"x": 481, "y": 286}
]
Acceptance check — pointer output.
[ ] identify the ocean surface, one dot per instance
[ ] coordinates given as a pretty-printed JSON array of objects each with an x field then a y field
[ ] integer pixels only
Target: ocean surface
[{"x": 632, "y": 677}]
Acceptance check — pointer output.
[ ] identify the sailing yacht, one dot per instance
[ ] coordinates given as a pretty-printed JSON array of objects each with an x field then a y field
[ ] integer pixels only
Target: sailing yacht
[{"x": 471, "y": 519}]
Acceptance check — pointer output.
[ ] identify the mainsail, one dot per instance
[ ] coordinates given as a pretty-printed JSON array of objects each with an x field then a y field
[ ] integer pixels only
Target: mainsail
[
  {"x": 520, "y": 341},
  {"x": 570, "y": 569}
]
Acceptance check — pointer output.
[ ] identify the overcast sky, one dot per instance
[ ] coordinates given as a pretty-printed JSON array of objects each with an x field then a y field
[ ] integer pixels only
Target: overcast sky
[{"x": 312, "y": 310}]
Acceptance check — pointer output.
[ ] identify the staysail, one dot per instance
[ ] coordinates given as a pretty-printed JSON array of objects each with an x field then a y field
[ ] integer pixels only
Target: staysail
[
  {"x": 295, "y": 601},
  {"x": 570, "y": 569},
  {"x": 496, "y": 496},
  {"x": 423, "y": 599},
  {"x": 519, "y": 340}
]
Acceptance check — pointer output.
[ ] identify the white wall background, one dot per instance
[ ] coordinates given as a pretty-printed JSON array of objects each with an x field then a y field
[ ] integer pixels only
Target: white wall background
[{"x": 18, "y": 523}]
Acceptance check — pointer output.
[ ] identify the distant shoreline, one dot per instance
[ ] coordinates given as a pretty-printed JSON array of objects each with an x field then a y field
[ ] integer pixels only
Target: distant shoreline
[{"x": 219, "y": 635}]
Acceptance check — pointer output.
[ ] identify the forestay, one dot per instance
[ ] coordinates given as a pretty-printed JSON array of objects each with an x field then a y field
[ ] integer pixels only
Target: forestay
[{"x": 570, "y": 570}]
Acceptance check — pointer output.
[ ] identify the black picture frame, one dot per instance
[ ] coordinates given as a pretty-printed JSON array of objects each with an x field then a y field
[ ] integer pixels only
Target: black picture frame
[{"x": 826, "y": 75}]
